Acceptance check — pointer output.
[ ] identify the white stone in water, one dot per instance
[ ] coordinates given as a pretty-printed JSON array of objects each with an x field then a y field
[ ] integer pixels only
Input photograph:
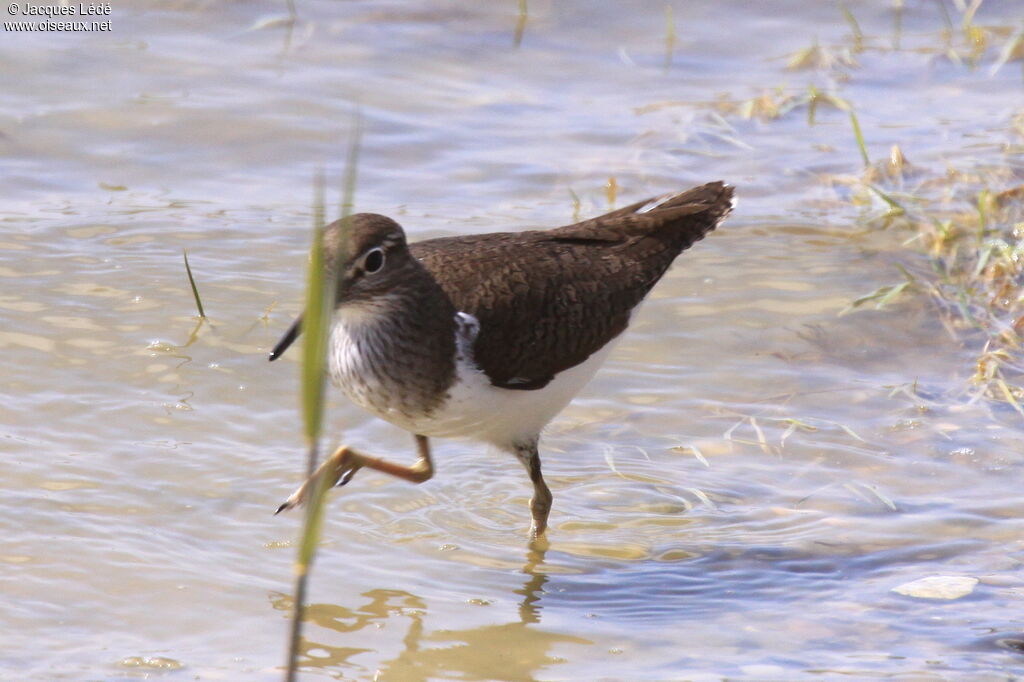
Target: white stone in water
[{"x": 938, "y": 587}]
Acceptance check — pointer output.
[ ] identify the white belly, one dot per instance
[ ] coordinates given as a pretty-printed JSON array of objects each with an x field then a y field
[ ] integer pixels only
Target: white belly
[{"x": 503, "y": 417}]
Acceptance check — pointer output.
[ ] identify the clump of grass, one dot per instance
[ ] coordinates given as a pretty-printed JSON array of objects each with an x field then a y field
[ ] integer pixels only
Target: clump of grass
[
  {"x": 192, "y": 283},
  {"x": 817, "y": 56},
  {"x": 973, "y": 239},
  {"x": 826, "y": 57},
  {"x": 967, "y": 223},
  {"x": 777, "y": 103},
  {"x": 320, "y": 292},
  {"x": 967, "y": 44}
]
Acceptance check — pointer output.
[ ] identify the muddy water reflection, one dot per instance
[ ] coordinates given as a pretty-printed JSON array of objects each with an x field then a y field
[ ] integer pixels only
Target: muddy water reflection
[{"x": 511, "y": 650}]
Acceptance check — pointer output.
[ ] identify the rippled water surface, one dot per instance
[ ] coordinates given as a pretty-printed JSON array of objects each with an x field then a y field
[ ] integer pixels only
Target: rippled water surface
[{"x": 738, "y": 491}]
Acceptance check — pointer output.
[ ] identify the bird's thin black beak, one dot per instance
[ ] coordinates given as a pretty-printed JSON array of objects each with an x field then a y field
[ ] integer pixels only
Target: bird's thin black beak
[{"x": 286, "y": 340}]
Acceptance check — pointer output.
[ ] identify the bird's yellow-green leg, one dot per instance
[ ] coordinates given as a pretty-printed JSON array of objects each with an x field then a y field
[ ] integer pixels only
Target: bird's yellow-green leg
[
  {"x": 340, "y": 467},
  {"x": 540, "y": 503}
]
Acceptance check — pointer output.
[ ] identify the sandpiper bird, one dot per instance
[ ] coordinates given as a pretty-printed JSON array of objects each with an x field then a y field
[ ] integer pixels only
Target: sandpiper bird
[{"x": 489, "y": 336}]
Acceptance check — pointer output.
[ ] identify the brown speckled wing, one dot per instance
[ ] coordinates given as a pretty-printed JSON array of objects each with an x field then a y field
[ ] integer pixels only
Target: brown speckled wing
[{"x": 547, "y": 300}]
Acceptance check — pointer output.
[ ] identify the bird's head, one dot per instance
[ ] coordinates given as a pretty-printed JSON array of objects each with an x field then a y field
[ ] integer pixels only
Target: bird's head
[{"x": 367, "y": 257}]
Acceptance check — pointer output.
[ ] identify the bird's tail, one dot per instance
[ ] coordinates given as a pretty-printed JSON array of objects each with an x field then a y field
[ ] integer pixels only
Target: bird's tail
[
  {"x": 689, "y": 215},
  {"x": 677, "y": 220}
]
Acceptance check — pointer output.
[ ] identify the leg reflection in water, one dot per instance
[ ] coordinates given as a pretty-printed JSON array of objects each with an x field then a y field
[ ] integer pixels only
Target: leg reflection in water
[
  {"x": 367, "y": 640},
  {"x": 533, "y": 590}
]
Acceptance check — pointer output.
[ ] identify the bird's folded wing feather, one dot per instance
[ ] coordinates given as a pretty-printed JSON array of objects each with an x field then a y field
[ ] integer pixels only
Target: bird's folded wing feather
[{"x": 547, "y": 300}]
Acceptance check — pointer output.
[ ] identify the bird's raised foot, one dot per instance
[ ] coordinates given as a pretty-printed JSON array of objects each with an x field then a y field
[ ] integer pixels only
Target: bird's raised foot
[{"x": 339, "y": 469}]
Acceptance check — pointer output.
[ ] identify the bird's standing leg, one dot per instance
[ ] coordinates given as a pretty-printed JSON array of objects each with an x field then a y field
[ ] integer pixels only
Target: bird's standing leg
[
  {"x": 340, "y": 467},
  {"x": 540, "y": 503}
]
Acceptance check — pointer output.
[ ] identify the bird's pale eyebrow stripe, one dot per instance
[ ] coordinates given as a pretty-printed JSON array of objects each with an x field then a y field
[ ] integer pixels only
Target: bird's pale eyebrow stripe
[{"x": 387, "y": 241}]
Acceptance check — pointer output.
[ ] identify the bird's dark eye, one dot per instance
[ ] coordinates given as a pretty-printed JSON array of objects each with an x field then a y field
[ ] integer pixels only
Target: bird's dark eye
[{"x": 373, "y": 261}]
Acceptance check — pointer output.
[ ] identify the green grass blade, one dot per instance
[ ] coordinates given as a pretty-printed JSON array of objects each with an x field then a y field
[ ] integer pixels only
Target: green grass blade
[
  {"x": 575, "y": 205},
  {"x": 1008, "y": 394},
  {"x": 315, "y": 324},
  {"x": 812, "y": 103},
  {"x": 906, "y": 273},
  {"x": 348, "y": 185},
  {"x": 895, "y": 207},
  {"x": 1011, "y": 48},
  {"x": 983, "y": 259},
  {"x": 695, "y": 451},
  {"x": 897, "y": 23},
  {"x": 321, "y": 288},
  {"x": 858, "y": 35},
  {"x": 983, "y": 201},
  {"x": 521, "y": 18},
  {"x": 860, "y": 138},
  {"x": 703, "y": 497},
  {"x": 192, "y": 283},
  {"x": 893, "y": 292},
  {"x": 670, "y": 35}
]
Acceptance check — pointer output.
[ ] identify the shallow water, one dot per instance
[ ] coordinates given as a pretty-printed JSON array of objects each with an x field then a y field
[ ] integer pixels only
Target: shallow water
[{"x": 737, "y": 492}]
